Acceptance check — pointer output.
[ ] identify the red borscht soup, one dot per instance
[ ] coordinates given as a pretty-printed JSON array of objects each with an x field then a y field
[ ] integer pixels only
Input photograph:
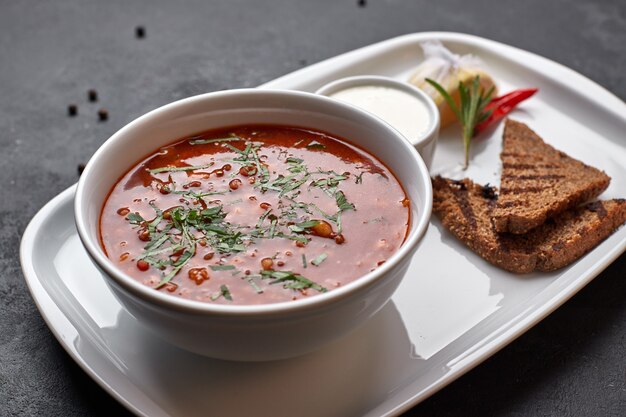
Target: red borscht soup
[{"x": 253, "y": 215}]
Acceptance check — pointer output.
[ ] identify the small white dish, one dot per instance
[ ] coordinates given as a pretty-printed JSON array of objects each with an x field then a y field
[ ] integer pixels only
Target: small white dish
[
  {"x": 418, "y": 119},
  {"x": 267, "y": 331}
]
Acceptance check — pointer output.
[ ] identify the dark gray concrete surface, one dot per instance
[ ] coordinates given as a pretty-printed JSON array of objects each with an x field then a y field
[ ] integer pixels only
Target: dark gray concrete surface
[{"x": 51, "y": 53}]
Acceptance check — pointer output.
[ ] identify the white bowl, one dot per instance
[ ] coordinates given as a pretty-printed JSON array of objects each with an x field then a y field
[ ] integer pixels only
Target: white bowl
[
  {"x": 259, "y": 332},
  {"x": 425, "y": 143}
]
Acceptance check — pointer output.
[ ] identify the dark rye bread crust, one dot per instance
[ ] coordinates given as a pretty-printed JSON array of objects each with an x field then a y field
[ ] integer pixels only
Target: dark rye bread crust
[
  {"x": 539, "y": 182},
  {"x": 466, "y": 209}
]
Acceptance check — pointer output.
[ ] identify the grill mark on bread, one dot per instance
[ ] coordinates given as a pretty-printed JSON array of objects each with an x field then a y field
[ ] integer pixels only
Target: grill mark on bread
[{"x": 462, "y": 198}]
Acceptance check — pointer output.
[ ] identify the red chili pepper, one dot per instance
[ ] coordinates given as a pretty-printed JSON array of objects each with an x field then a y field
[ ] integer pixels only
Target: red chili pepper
[{"x": 503, "y": 105}]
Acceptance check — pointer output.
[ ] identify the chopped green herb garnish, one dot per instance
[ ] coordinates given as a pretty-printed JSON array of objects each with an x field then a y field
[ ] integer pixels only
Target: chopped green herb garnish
[
  {"x": 157, "y": 219},
  {"x": 342, "y": 202},
  {"x": 178, "y": 265},
  {"x": 205, "y": 141},
  {"x": 319, "y": 259},
  {"x": 239, "y": 151},
  {"x": 296, "y": 238},
  {"x": 222, "y": 267},
  {"x": 135, "y": 218},
  {"x": 253, "y": 284},
  {"x": 272, "y": 231},
  {"x": 176, "y": 169},
  {"x": 292, "y": 280},
  {"x": 224, "y": 292},
  {"x": 263, "y": 216},
  {"x": 304, "y": 261},
  {"x": 158, "y": 240},
  {"x": 303, "y": 226},
  {"x": 196, "y": 195}
]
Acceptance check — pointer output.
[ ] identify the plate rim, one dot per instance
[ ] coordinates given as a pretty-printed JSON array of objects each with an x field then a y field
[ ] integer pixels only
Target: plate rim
[{"x": 40, "y": 296}]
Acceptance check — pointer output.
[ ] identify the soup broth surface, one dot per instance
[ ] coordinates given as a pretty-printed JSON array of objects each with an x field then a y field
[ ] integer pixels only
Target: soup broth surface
[{"x": 254, "y": 215}]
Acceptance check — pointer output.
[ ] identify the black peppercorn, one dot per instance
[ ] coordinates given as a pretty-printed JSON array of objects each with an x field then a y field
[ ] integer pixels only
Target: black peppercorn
[
  {"x": 103, "y": 115},
  {"x": 140, "y": 32},
  {"x": 92, "y": 95},
  {"x": 72, "y": 110}
]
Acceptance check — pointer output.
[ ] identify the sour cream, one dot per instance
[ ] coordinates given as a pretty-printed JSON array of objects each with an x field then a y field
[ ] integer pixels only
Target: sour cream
[
  {"x": 402, "y": 110},
  {"x": 405, "y": 107}
]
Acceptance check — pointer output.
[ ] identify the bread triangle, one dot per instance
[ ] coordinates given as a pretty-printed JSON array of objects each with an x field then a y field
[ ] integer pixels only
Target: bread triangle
[
  {"x": 466, "y": 210},
  {"x": 539, "y": 182}
]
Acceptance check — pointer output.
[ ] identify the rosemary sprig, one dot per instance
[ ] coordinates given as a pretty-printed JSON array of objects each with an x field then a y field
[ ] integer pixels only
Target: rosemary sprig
[{"x": 472, "y": 108}]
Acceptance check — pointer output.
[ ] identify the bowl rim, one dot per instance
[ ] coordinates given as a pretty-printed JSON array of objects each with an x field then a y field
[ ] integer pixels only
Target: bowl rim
[
  {"x": 359, "y": 80},
  {"x": 148, "y": 294}
]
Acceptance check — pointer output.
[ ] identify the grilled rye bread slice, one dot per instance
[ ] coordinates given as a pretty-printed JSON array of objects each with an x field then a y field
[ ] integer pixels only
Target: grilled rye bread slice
[
  {"x": 466, "y": 210},
  {"x": 539, "y": 182}
]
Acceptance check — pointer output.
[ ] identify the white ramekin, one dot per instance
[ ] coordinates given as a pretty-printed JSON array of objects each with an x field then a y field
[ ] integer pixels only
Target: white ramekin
[{"x": 426, "y": 143}]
